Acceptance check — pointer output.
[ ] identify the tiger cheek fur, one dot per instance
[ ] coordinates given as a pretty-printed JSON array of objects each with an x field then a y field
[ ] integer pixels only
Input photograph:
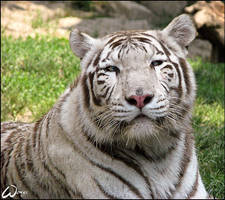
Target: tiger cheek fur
[{"x": 122, "y": 129}]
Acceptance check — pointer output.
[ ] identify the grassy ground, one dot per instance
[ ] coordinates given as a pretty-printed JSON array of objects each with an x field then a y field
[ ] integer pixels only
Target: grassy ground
[{"x": 36, "y": 71}]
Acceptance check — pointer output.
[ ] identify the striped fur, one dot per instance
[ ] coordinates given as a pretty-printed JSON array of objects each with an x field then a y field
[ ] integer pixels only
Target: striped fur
[{"x": 95, "y": 143}]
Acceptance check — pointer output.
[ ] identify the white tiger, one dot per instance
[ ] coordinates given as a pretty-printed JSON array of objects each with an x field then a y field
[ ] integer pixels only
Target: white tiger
[{"x": 122, "y": 130}]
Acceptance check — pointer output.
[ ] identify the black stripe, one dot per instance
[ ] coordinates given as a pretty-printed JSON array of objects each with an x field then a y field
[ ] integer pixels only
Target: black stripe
[
  {"x": 180, "y": 91},
  {"x": 174, "y": 134},
  {"x": 6, "y": 156},
  {"x": 168, "y": 66},
  {"x": 156, "y": 157},
  {"x": 65, "y": 186},
  {"x": 49, "y": 116},
  {"x": 140, "y": 151},
  {"x": 122, "y": 156},
  {"x": 110, "y": 171},
  {"x": 35, "y": 130},
  {"x": 86, "y": 94},
  {"x": 161, "y": 100},
  {"x": 117, "y": 104},
  {"x": 144, "y": 40},
  {"x": 160, "y": 107},
  {"x": 110, "y": 196},
  {"x": 107, "y": 57},
  {"x": 158, "y": 51},
  {"x": 194, "y": 187},
  {"x": 20, "y": 170},
  {"x": 29, "y": 159},
  {"x": 97, "y": 58},
  {"x": 106, "y": 92},
  {"x": 171, "y": 75},
  {"x": 102, "y": 74},
  {"x": 185, "y": 108},
  {"x": 117, "y": 43},
  {"x": 95, "y": 100},
  {"x": 119, "y": 53},
  {"x": 39, "y": 136},
  {"x": 106, "y": 169},
  {"x": 43, "y": 162},
  {"x": 165, "y": 88},
  {"x": 112, "y": 39},
  {"x": 58, "y": 182},
  {"x": 175, "y": 65},
  {"x": 187, "y": 154},
  {"x": 164, "y": 49},
  {"x": 146, "y": 34},
  {"x": 40, "y": 155},
  {"x": 134, "y": 164},
  {"x": 5, "y": 126},
  {"x": 51, "y": 163},
  {"x": 145, "y": 49},
  {"x": 103, "y": 88},
  {"x": 186, "y": 75},
  {"x": 121, "y": 111}
]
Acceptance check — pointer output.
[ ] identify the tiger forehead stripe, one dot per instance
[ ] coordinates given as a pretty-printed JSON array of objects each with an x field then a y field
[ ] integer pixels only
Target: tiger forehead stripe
[
  {"x": 117, "y": 43},
  {"x": 98, "y": 57},
  {"x": 131, "y": 38},
  {"x": 113, "y": 38}
]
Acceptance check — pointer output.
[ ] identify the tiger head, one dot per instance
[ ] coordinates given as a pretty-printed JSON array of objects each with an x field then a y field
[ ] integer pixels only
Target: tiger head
[{"x": 136, "y": 83}]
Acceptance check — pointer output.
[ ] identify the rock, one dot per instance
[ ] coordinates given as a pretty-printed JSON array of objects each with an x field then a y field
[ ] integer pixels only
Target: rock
[
  {"x": 101, "y": 26},
  {"x": 129, "y": 9},
  {"x": 209, "y": 20},
  {"x": 67, "y": 22},
  {"x": 164, "y": 10},
  {"x": 200, "y": 48}
]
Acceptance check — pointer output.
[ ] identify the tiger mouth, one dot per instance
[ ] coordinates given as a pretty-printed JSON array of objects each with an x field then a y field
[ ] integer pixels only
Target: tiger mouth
[
  {"x": 157, "y": 120},
  {"x": 141, "y": 116}
]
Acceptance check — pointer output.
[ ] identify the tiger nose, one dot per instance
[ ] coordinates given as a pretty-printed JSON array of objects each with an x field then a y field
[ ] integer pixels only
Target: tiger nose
[{"x": 140, "y": 101}]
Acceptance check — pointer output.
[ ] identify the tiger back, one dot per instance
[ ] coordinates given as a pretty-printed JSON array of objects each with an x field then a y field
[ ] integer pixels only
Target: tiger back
[{"x": 121, "y": 130}]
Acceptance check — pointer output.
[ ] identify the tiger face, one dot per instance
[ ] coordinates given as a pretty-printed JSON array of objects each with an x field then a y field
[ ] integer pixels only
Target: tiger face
[{"x": 135, "y": 82}]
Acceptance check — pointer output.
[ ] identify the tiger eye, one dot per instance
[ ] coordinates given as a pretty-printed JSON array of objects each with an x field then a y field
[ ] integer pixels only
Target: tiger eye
[
  {"x": 112, "y": 69},
  {"x": 156, "y": 62}
]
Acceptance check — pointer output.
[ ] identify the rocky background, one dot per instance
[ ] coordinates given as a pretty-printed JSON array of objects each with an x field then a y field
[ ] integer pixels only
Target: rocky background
[{"x": 97, "y": 18}]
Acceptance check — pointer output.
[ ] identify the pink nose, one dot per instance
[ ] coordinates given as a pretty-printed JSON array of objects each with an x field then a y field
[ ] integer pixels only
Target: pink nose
[{"x": 140, "y": 101}]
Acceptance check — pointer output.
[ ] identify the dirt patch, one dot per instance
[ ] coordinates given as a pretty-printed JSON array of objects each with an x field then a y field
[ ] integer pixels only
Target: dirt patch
[{"x": 22, "y": 19}]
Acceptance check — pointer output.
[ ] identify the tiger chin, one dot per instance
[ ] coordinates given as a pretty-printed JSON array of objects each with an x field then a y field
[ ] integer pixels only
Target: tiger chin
[{"x": 121, "y": 130}]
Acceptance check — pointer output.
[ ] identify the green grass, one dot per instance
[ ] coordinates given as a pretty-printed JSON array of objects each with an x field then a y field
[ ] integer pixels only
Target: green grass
[
  {"x": 208, "y": 122},
  {"x": 36, "y": 71}
]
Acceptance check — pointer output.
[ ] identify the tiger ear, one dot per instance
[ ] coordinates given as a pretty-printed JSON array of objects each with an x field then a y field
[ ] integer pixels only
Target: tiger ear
[
  {"x": 181, "y": 29},
  {"x": 80, "y": 43}
]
